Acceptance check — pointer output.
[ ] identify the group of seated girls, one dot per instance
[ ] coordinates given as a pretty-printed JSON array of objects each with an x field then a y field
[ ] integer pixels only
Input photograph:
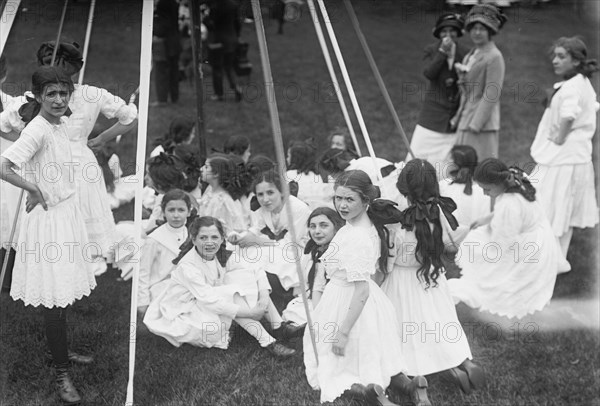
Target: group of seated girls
[{"x": 230, "y": 252}]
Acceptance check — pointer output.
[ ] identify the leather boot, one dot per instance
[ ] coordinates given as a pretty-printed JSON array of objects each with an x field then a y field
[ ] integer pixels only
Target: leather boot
[
  {"x": 66, "y": 389},
  {"x": 416, "y": 388},
  {"x": 474, "y": 372},
  {"x": 280, "y": 350},
  {"x": 376, "y": 396},
  {"x": 459, "y": 378}
]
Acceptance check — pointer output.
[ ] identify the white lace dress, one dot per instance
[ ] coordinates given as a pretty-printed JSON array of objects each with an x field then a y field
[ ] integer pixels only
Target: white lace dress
[
  {"x": 55, "y": 267},
  {"x": 372, "y": 354}
]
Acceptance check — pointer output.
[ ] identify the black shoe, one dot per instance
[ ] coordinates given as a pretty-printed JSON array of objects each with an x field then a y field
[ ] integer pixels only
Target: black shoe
[
  {"x": 376, "y": 396},
  {"x": 280, "y": 350},
  {"x": 74, "y": 358},
  {"x": 287, "y": 331},
  {"x": 459, "y": 378},
  {"x": 474, "y": 372}
]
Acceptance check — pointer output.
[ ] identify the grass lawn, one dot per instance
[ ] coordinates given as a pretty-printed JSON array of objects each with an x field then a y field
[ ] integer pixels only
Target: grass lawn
[{"x": 551, "y": 359}]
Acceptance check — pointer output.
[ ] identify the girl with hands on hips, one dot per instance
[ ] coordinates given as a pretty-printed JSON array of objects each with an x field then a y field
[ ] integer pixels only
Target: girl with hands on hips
[{"x": 43, "y": 154}]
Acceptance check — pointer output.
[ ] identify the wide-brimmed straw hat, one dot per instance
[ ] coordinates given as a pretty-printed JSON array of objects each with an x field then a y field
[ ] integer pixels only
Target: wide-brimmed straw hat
[{"x": 486, "y": 14}]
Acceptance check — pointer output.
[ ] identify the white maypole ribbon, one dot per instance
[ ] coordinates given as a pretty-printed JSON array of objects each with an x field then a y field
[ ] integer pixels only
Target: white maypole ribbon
[
  {"x": 340, "y": 59},
  {"x": 8, "y": 18},
  {"x": 86, "y": 44},
  {"x": 276, "y": 127},
  {"x": 145, "y": 64},
  {"x": 332, "y": 74},
  {"x": 378, "y": 78}
]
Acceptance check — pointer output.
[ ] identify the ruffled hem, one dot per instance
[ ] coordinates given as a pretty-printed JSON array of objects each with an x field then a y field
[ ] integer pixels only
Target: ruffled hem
[
  {"x": 54, "y": 265},
  {"x": 21, "y": 294}
]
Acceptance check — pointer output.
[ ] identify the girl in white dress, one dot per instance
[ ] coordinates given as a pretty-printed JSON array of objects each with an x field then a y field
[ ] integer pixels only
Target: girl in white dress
[
  {"x": 87, "y": 103},
  {"x": 56, "y": 270},
  {"x": 418, "y": 288},
  {"x": 323, "y": 224},
  {"x": 510, "y": 258},
  {"x": 197, "y": 305},
  {"x": 181, "y": 133},
  {"x": 357, "y": 332},
  {"x": 164, "y": 173},
  {"x": 457, "y": 184},
  {"x": 562, "y": 147},
  {"x": 162, "y": 246},
  {"x": 270, "y": 231},
  {"x": 312, "y": 190},
  {"x": 226, "y": 180}
]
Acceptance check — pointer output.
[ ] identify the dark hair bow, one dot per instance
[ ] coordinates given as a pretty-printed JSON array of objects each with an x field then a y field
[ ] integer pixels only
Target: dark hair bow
[
  {"x": 429, "y": 210},
  {"x": 385, "y": 212},
  {"x": 164, "y": 158},
  {"x": 68, "y": 56},
  {"x": 32, "y": 108}
]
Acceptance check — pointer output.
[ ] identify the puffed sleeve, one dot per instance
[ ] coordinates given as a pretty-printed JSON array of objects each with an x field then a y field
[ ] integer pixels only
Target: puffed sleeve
[
  {"x": 506, "y": 221},
  {"x": 217, "y": 299},
  {"x": 569, "y": 101},
  {"x": 111, "y": 106},
  {"x": 353, "y": 253},
  {"x": 26, "y": 146},
  {"x": 10, "y": 120},
  {"x": 226, "y": 210}
]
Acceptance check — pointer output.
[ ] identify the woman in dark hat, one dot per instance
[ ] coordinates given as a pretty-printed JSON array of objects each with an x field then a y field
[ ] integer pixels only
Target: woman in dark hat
[
  {"x": 482, "y": 74},
  {"x": 433, "y": 137}
]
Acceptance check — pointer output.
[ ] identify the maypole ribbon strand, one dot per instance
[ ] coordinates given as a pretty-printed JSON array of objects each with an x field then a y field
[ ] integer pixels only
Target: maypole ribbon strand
[
  {"x": 144, "y": 89},
  {"x": 340, "y": 59},
  {"x": 276, "y": 127},
  {"x": 86, "y": 44},
  {"x": 378, "y": 78},
  {"x": 334, "y": 80}
]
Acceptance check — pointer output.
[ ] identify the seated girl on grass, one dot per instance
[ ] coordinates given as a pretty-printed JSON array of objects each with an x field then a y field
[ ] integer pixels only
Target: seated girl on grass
[{"x": 200, "y": 300}]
